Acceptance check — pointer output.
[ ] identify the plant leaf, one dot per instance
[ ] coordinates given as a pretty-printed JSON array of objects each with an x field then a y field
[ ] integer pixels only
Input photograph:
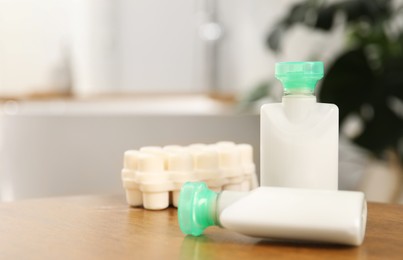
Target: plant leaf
[{"x": 348, "y": 82}]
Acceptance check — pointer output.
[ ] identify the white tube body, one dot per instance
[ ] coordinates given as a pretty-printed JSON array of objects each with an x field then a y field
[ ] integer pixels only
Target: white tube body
[
  {"x": 299, "y": 144},
  {"x": 296, "y": 214}
]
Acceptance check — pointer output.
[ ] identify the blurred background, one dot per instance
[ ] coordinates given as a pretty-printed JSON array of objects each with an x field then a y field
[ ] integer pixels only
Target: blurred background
[{"x": 81, "y": 81}]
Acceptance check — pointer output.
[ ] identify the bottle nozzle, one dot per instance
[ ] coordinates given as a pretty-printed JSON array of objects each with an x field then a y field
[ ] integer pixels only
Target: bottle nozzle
[
  {"x": 299, "y": 77},
  {"x": 196, "y": 208}
]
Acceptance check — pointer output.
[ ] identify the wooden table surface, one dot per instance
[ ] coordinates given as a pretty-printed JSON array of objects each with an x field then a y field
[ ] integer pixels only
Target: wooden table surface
[{"x": 104, "y": 227}]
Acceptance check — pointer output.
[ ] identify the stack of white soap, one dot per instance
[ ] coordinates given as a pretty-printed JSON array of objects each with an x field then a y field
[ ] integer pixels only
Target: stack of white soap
[{"x": 153, "y": 175}]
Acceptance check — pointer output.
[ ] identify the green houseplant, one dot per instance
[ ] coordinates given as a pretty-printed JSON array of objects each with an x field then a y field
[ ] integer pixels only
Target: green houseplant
[{"x": 366, "y": 78}]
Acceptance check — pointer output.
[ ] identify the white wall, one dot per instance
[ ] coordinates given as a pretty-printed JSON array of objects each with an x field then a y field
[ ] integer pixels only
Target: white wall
[
  {"x": 143, "y": 45},
  {"x": 33, "y": 38}
]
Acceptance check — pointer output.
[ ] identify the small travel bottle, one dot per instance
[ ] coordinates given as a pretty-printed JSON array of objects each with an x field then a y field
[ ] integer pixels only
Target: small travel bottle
[
  {"x": 299, "y": 137},
  {"x": 278, "y": 213}
]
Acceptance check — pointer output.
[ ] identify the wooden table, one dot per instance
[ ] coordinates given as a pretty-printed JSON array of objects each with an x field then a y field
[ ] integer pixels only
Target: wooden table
[{"x": 104, "y": 227}]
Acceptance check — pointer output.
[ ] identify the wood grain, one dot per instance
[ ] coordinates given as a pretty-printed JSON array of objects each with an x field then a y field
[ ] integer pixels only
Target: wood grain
[{"x": 104, "y": 227}]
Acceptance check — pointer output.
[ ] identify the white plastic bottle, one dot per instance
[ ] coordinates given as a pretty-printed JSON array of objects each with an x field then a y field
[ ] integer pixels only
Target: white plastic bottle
[
  {"x": 299, "y": 137},
  {"x": 273, "y": 212}
]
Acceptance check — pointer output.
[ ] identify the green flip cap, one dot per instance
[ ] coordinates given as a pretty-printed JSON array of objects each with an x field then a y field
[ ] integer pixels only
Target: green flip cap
[
  {"x": 196, "y": 208},
  {"x": 299, "y": 77}
]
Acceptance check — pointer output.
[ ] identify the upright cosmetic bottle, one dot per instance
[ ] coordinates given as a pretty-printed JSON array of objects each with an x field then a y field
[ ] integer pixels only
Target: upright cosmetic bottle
[{"x": 299, "y": 137}]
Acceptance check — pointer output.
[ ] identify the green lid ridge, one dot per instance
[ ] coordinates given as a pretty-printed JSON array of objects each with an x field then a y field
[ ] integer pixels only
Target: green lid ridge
[
  {"x": 196, "y": 208},
  {"x": 299, "y": 77}
]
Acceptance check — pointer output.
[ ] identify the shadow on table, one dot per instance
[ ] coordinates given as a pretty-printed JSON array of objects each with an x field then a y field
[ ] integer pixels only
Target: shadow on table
[{"x": 225, "y": 245}]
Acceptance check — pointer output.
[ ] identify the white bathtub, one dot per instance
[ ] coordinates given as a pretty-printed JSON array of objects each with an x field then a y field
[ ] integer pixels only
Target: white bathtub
[{"x": 57, "y": 148}]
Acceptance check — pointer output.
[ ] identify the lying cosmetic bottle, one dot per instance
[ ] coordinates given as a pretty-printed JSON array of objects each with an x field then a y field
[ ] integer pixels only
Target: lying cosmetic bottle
[{"x": 274, "y": 212}]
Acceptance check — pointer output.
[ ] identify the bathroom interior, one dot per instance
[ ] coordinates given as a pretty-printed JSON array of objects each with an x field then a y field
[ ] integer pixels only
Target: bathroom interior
[{"x": 83, "y": 81}]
